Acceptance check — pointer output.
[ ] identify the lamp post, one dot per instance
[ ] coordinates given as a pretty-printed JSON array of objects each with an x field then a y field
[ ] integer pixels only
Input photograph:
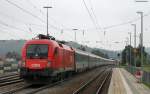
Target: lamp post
[
  {"x": 130, "y": 47},
  {"x": 47, "y": 7},
  {"x": 141, "y": 14},
  {"x": 126, "y": 49},
  {"x": 83, "y": 32},
  {"x": 134, "y": 25},
  {"x": 141, "y": 1},
  {"x": 75, "y": 33}
]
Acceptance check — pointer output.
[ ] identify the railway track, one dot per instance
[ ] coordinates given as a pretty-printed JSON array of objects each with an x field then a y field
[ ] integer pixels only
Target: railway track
[
  {"x": 10, "y": 79},
  {"x": 8, "y": 75},
  {"x": 16, "y": 89},
  {"x": 30, "y": 89},
  {"x": 105, "y": 84},
  {"x": 46, "y": 86},
  {"x": 11, "y": 82},
  {"x": 26, "y": 89},
  {"x": 96, "y": 84},
  {"x": 53, "y": 85}
]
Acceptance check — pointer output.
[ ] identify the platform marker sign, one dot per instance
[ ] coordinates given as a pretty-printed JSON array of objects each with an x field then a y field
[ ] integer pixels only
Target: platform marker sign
[{"x": 138, "y": 75}]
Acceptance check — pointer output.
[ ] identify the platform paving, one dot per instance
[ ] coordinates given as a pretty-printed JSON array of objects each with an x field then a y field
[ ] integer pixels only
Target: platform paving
[{"x": 123, "y": 82}]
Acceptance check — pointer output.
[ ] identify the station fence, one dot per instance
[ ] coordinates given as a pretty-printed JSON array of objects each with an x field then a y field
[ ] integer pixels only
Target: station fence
[{"x": 145, "y": 75}]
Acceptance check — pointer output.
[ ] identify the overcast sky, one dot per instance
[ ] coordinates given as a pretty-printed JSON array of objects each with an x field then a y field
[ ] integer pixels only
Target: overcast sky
[{"x": 24, "y": 19}]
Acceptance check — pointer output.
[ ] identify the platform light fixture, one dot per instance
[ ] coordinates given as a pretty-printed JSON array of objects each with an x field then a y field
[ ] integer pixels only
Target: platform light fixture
[
  {"x": 75, "y": 33},
  {"x": 141, "y": 1},
  {"x": 47, "y": 7}
]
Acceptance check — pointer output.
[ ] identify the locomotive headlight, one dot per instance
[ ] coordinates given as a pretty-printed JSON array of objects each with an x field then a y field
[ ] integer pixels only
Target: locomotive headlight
[{"x": 21, "y": 63}]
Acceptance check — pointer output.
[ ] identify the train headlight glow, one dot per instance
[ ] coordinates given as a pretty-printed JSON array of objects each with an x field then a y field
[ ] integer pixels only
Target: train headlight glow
[{"x": 21, "y": 63}]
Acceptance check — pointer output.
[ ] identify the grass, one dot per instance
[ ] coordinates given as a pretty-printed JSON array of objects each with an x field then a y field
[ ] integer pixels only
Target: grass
[
  {"x": 146, "y": 68},
  {"x": 148, "y": 85},
  {"x": 122, "y": 66}
]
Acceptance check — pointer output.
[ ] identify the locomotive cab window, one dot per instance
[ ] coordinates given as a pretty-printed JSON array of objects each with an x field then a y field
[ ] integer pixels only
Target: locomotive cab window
[{"x": 37, "y": 51}]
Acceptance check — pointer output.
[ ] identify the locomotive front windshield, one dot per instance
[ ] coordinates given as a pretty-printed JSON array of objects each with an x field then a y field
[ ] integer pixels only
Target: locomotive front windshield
[{"x": 37, "y": 51}]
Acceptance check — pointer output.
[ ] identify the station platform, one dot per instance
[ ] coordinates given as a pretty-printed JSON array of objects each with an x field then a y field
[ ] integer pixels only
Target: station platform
[{"x": 123, "y": 82}]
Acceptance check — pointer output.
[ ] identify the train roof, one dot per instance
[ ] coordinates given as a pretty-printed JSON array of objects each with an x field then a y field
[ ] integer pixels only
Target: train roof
[
  {"x": 47, "y": 41},
  {"x": 92, "y": 55},
  {"x": 86, "y": 53},
  {"x": 60, "y": 45},
  {"x": 39, "y": 41}
]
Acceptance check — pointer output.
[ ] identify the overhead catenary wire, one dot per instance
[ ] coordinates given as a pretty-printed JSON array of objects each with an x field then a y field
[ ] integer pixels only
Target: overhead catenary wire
[
  {"x": 97, "y": 22},
  {"x": 20, "y": 21},
  {"x": 52, "y": 19},
  {"x": 2, "y": 29},
  {"x": 13, "y": 19},
  {"x": 94, "y": 15},
  {"x": 91, "y": 17},
  {"x": 13, "y": 27},
  {"x": 112, "y": 26},
  {"x": 29, "y": 25},
  {"x": 28, "y": 12},
  {"x": 108, "y": 27},
  {"x": 10, "y": 26},
  {"x": 24, "y": 10},
  {"x": 121, "y": 24},
  {"x": 11, "y": 32},
  {"x": 27, "y": 22},
  {"x": 35, "y": 7}
]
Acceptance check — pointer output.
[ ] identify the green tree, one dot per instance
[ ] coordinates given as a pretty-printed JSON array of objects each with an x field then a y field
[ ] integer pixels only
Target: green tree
[
  {"x": 99, "y": 53},
  {"x": 135, "y": 56},
  {"x": 126, "y": 54}
]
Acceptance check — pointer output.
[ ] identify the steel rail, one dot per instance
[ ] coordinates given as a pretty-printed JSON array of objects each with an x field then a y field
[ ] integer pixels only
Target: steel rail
[
  {"x": 15, "y": 90},
  {"x": 104, "y": 81},
  {"x": 47, "y": 86},
  {"x": 9, "y": 79},
  {"x": 11, "y": 82},
  {"x": 50, "y": 85},
  {"x": 90, "y": 81},
  {"x": 11, "y": 76},
  {"x": 8, "y": 75}
]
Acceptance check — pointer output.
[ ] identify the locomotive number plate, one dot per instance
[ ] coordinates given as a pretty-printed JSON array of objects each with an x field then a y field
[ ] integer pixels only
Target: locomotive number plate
[{"x": 35, "y": 65}]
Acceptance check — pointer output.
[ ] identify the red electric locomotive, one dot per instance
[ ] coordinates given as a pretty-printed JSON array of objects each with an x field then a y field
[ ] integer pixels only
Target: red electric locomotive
[
  {"x": 47, "y": 59},
  {"x": 43, "y": 59}
]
